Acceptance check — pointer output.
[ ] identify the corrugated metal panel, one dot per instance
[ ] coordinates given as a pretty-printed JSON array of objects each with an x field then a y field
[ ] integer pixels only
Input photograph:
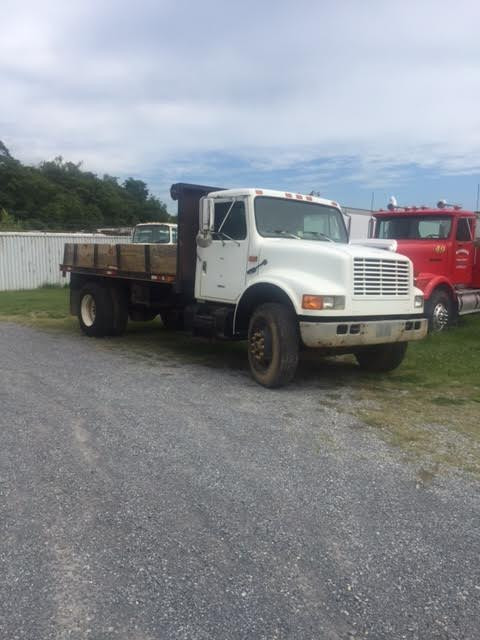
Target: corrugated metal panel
[{"x": 31, "y": 259}]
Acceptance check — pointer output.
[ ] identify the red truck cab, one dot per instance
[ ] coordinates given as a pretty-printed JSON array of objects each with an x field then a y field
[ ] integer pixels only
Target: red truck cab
[{"x": 444, "y": 246}]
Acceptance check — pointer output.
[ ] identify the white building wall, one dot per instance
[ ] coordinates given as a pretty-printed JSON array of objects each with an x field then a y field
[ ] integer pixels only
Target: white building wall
[{"x": 31, "y": 259}]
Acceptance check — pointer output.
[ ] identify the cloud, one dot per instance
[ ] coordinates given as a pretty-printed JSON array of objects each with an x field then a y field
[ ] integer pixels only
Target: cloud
[{"x": 360, "y": 92}]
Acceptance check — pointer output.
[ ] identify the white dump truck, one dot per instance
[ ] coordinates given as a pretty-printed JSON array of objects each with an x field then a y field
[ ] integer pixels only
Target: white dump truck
[{"x": 270, "y": 267}]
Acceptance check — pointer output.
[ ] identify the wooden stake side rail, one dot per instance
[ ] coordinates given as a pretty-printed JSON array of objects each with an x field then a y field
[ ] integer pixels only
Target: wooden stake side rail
[{"x": 133, "y": 261}]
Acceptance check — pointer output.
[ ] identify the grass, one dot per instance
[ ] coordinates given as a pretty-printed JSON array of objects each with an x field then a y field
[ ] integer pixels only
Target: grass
[
  {"x": 48, "y": 303},
  {"x": 428, "y": 407}
]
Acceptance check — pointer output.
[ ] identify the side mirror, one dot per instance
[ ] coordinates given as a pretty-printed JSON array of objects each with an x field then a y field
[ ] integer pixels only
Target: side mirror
[
  {"x": 206, "y": 222},
  {"x": 206, "y": 215},
  {"x": 371, "y": 227}
]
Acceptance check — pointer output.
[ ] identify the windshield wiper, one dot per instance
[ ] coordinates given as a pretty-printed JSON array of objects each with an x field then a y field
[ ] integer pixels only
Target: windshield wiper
[
  {"x": 224, "y": 235},
  {"x": 322, "y": 235},
  {"x": 287, "y": 233}
]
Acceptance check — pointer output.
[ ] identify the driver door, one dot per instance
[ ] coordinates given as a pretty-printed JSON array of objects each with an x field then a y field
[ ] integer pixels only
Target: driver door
[
  {"x": 224, "y": 262},
  {"x": 464, "y": 252}
]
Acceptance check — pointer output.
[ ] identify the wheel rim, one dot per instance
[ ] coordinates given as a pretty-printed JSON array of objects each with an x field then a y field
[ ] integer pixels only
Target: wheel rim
[
  {"x": 440, "y": 316},
  {"x": 260, "y": 346},
  {"x": 88, "y": 310}
]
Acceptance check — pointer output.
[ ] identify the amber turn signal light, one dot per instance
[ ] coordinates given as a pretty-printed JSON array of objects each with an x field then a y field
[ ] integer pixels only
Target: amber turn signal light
[{"x": 312, "y": 302}]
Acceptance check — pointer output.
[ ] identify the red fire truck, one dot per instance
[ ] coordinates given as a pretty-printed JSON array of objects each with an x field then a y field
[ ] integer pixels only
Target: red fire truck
[{"x": 444, "y": 246}]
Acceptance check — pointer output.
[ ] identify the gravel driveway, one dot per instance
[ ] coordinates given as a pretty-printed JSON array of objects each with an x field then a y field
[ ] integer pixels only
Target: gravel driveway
[{"x": 154, "y": 501}]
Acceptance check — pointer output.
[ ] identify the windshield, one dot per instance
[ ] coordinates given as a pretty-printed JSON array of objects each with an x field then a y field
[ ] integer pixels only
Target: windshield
[
  {"x": 281, "y": 218},
  {"x": 156, "y": 233},
  {"x": 413, "y": 227}
]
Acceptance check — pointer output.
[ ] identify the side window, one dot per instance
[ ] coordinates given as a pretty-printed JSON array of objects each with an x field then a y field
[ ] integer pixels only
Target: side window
[
  {"x": 230, "y": 220},
  {"x": 463, "y": 230}
]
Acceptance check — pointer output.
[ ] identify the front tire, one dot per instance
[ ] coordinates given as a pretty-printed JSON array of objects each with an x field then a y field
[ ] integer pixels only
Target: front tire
[
  {"x": 439, "y": 308},
  {"x": 382, "y": 357},
  {"x": 273, "y": 345}
]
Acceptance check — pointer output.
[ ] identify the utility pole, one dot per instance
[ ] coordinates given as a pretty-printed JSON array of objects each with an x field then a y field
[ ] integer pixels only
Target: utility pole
[
  {"x": 372, "y": 201},
  {"x": 478, "y": 196}
]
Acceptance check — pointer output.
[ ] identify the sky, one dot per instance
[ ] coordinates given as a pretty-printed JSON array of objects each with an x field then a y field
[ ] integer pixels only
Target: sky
[{"x": 347, "y": 98}]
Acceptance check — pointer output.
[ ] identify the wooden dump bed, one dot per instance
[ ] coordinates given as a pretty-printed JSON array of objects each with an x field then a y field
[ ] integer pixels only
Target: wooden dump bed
[{"x": 138, "y": 261}]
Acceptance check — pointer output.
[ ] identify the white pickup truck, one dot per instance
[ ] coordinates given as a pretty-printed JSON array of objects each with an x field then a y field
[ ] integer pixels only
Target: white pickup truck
[
  {"x": 271, "y": 267},
  {"x": 155, "y": 232}
]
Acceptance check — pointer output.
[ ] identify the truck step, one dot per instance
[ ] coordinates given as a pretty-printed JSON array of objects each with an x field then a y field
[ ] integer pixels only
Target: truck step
[{"x": 203, "y": 325}]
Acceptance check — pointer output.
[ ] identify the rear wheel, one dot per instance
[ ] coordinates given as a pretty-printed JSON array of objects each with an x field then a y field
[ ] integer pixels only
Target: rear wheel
[
  {"x": 120, "y": 311},
  {"x": 439, "y": 310},
  {"x": 95, "y": 310},
  {"x": 382, "y": 357},
  {"x": 273, "y": 345}
]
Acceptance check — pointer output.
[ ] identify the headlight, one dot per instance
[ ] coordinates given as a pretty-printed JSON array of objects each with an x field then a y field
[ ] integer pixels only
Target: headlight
[
  {"x": 317, "y": 303},
  {"x": 418, "y": 303}
]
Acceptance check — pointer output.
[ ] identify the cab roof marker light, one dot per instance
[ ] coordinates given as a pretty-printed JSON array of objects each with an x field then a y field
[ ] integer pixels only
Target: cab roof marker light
[
  {"x": 392, "y": 203},
  {"x": 309, "y": 198},
  {"x": 258, "y": 192},
  {"x": 443, "y": 204},
  {"x": 299, "y": 197},
  {"x": 335, "y": 204},
  {"x": 288, "y": 195}
]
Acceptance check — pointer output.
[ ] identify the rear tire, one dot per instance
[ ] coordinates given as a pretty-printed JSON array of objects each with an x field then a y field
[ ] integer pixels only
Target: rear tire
[
  {"x": 120, "y": 311},
  {"x": 273, "y": 345},
  {"x": 95, "y": 310},
  {"x": 382, "y": 357}
]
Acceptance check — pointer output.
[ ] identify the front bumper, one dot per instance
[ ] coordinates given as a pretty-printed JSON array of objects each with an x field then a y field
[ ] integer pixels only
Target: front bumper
[{"x": 351, "y": 333}]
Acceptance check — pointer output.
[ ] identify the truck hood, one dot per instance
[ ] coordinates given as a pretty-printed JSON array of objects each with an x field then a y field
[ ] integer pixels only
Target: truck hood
[
  {"x": 308, "y": 250},
  {"x": 311, "y": 266},
  {"x": 376, "y": 243}
]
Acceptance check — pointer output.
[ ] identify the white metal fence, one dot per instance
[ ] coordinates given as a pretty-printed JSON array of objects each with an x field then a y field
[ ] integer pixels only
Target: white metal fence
[{"x": 31, "y": 259}]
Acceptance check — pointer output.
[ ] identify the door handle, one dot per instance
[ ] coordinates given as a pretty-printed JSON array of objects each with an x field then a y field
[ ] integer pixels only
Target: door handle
[{"x": 204, "y": 266}]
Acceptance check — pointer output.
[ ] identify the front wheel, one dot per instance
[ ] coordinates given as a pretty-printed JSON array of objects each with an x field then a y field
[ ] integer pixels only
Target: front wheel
[
  {"x": 273, "y": 345},
  {"x": 439, "y": 309},
  {"x": 381, "y": 358}
]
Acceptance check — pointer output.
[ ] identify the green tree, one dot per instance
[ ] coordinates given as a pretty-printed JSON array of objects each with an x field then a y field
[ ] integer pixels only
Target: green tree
[
  {"x": 60, "y": 195},
  {"x": 137, "y": 189},
  {"x": 8, "y": 222}
]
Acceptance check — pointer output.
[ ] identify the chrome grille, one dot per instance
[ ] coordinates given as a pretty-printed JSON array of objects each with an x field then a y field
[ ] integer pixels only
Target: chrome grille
[{"x": 380, "y": 277}]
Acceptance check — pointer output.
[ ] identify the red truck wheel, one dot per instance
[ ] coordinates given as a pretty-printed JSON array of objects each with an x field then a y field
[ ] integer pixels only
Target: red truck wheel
[{"x": 439, "y": 310}]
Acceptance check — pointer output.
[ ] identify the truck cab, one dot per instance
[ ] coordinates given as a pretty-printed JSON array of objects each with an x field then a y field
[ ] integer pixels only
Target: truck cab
[
  {"x": 155, "y": 233},
  {"x": 259, "y": 245},
  {"x": 444, "y": 246}
]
